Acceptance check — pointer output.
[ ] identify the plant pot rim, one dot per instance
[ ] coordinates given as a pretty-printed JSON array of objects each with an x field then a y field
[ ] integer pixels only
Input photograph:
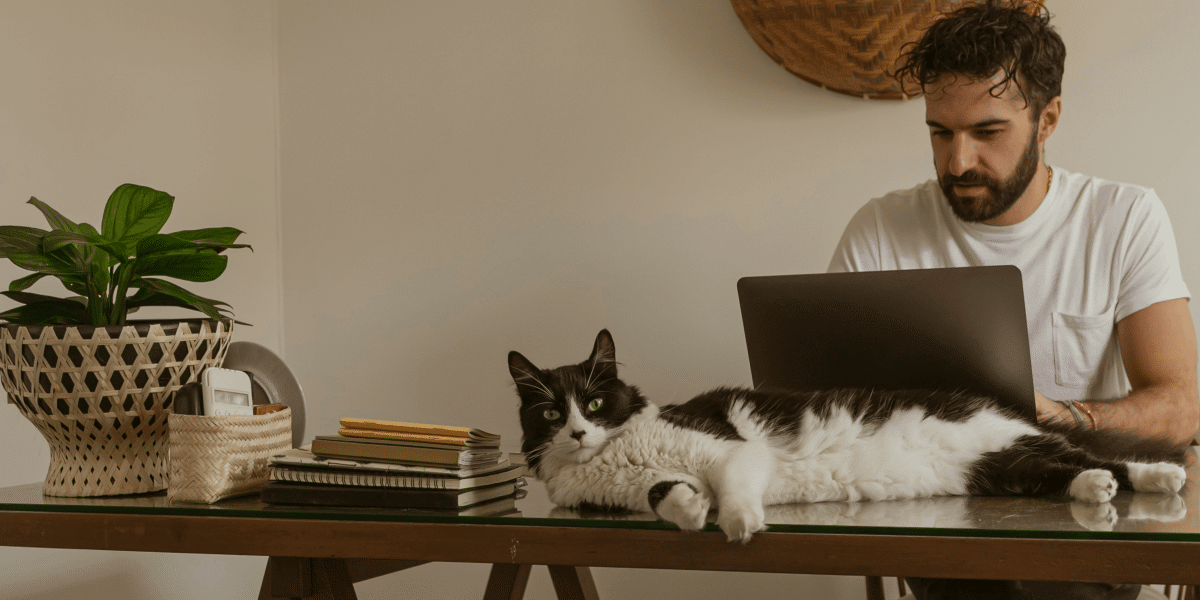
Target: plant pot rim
[{"x": 140, "y": 325}]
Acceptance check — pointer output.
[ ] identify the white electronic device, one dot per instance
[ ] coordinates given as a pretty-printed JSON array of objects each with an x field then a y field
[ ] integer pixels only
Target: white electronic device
[{"x": 226, "y": 392}]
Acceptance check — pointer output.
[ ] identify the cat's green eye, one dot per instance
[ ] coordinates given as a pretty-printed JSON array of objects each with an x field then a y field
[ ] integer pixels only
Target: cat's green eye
[
  {"x": 595, "y": 405},
  {"x": 551, "y": 414}
]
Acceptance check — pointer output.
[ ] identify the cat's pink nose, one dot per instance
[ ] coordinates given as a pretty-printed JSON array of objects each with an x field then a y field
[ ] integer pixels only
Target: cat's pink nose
[{"x": 578, "y": 435}]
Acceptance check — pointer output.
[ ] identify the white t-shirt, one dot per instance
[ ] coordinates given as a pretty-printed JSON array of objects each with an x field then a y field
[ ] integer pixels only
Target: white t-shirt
[{"x": 1092, "y": 254}]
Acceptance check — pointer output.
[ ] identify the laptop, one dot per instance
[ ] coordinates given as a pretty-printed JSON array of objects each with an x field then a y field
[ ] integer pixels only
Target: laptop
[{"x": 955, "y": 328}]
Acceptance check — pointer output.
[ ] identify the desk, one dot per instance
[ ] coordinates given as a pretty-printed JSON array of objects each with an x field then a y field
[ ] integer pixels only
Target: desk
[{"x": 1149, "y": 538}]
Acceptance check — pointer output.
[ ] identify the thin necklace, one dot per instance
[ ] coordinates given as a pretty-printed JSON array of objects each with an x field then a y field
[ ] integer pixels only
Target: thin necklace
[{"x": 1049, "y": 178}]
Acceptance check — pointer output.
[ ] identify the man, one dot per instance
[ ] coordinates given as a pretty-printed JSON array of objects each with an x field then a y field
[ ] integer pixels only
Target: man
[{"x": 1111, "y": 336}]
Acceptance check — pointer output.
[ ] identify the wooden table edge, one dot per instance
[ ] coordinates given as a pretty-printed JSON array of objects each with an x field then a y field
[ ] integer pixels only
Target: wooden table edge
[{"x": 813, "y": 553}]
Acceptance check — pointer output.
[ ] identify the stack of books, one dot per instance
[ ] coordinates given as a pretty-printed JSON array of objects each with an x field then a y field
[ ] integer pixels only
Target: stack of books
[{"x": 389, "y": 464}]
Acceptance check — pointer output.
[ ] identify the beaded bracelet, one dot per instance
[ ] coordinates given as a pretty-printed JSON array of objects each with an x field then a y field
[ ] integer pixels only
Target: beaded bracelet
[
  {"x": 1091, "y": 415},
  {"x": 1071, "y": 406}
]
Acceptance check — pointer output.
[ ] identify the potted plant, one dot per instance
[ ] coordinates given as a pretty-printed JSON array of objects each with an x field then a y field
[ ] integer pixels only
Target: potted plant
[{"x": 97, "y": 385}]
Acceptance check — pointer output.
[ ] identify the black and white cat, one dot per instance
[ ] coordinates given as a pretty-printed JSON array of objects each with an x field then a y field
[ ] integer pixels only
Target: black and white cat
[{"x": 598, "y": 443}]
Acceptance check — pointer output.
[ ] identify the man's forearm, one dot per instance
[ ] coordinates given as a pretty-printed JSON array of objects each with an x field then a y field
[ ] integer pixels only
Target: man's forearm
[{"x": 1170, "y": 412}]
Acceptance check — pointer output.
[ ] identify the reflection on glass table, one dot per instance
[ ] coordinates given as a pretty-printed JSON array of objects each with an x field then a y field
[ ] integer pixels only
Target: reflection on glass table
[{"x": 1129, "y": 516}]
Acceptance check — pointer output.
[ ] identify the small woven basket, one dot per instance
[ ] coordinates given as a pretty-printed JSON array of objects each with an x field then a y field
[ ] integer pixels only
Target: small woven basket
[
  {"x": 101, "y": 395},
  {"x": 845, "y": 46},
  {"x": 221, "y": 457}
]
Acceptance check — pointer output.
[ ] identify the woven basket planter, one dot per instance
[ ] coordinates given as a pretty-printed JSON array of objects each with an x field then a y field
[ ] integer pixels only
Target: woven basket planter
[
  {"x": 849, "y": 47},
  {"x": 221, "y": 457},
  {"x": 101, "y": 396}
]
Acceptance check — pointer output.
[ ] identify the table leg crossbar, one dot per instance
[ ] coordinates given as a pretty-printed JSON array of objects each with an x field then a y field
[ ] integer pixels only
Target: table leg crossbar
[{"x": 294, "y": 578}]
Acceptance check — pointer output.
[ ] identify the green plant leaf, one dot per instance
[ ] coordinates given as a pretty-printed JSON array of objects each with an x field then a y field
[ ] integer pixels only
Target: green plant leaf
[
  {"x": 153, "y": 289},
  {"x": 24, "y": 283},
  {"x": 59, "y": 238},
  {"x": 85, "y": 240},
  {"x": 164, "y": 243},
  {"x": 68, "y": 241},
  {"x": 40, "y": 262},
  {"x": 23, "y": 246},
  {"x": 60, "y": 311},
  {"x": 216, "y": 235},
  {"x": 100, "y": 275},
  {"x": 32, "y": 298},
  {"x": 23, "y": 240},
  {"x": 102, "y": 266},
  {"x": 68, "y": 251},
  {"x": 46, "y": 309},
  {"x": 111, "y": 248},
  {"x": 53, "y": 217},
  {"x": 74, "y": 283},
  {"x": 134, "y": 212},
  {"x": 71, "y": 256},
  {"x": 99, "y": 278},
  {"x": 146, "y": 298},
  {"x": 204, "y": 266},
  {"x": 173, "y": 244}
]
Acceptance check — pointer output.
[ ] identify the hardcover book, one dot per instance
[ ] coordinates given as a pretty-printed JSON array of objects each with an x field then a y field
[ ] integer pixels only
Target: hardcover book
[
  {"x": 418, "y": 429},
  {"x": 366, "y": 478},
  {"x": 303, "y": 457},
  {"x": 389, "y": 450},
  {"x": 308, "y": 494},
  {"x": 420, "y": 438}
]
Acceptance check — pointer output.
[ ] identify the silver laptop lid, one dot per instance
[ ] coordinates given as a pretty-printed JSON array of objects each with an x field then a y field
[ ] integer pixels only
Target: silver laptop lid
[{"x": 958, "y": 328}]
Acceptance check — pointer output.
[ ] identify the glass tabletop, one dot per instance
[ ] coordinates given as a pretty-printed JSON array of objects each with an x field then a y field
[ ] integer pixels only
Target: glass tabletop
[{"x": 1130, "y": 516}]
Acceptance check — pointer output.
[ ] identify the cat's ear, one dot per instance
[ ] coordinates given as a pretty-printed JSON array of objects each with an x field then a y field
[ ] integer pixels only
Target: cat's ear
[
  {"x": 604, "y": 353},
  {"x": 521, "y": 369}
]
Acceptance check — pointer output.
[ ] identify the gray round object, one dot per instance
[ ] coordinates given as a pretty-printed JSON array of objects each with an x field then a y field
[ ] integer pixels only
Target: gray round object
[{"x": 271, "y": 379}]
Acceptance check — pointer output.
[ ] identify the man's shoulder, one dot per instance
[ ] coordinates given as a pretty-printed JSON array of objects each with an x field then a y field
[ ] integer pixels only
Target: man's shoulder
[
  {"x": 1096, "y": 205},
  {"x": 908, "y": 213},
  {"x": 917, "y": 199},
  {"x": 1105, "y": 194}
]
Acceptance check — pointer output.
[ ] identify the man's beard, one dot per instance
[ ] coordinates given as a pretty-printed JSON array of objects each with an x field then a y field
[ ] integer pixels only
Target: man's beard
[{"x": 1000, "y": 196}]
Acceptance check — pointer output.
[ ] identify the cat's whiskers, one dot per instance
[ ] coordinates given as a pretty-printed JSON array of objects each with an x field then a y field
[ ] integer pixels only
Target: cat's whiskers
[
  {"x": 534, "y": 406},
  {"x": 539, "y": 388},
  {"x": 537, "y": 452},
  {"x": 592, "y": 389},
  {"x": 588, "y": 383},
  {"x": 534, "y": 378}
]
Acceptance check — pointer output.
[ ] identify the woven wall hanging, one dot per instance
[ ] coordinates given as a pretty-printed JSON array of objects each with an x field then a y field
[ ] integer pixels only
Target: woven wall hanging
[{"x": 845, "y": 46}]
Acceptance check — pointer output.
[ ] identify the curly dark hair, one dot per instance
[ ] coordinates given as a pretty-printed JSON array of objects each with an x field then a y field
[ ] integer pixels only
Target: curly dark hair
[{"x": 979, "y": 40}]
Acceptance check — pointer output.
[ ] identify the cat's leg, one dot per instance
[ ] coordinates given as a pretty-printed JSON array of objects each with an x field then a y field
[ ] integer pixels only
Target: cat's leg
[
  {"x": 1163, "y": 477},
  {"x": 1047, "y": 465},
  {"x": 740, "y": 484},
  {"x": 679, "y": 502}
]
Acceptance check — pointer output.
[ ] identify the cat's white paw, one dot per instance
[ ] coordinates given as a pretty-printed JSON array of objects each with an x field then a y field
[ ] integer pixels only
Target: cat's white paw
[
  {"x": 740, "y": 518},
  {"x": 684, "y": 507},
  {"x": 1095, "y": 517},
  {"x": 1157, "y": 477},
  {"x": 1094, "y": 485}
]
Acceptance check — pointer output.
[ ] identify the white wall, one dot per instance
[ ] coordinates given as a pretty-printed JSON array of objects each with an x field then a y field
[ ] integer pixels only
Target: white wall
[
  {"x": 463, "y": 179},
  {"x": 179, "y": 96}
]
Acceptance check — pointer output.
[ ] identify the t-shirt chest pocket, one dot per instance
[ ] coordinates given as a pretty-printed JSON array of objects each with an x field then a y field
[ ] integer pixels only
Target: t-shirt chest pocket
[{"x": 1080, "y": 343}]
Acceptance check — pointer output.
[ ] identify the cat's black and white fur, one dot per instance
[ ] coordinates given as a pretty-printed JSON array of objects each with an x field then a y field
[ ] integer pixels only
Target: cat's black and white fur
[{"x": 597, "y": 442}]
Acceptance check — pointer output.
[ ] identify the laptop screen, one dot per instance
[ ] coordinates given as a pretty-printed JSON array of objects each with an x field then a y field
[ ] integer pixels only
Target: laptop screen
[{"x": 956, "y": 329}]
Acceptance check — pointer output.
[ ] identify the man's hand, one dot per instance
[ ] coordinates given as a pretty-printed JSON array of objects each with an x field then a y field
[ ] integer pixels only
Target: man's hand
[{"x": 1050, "y": 412}]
